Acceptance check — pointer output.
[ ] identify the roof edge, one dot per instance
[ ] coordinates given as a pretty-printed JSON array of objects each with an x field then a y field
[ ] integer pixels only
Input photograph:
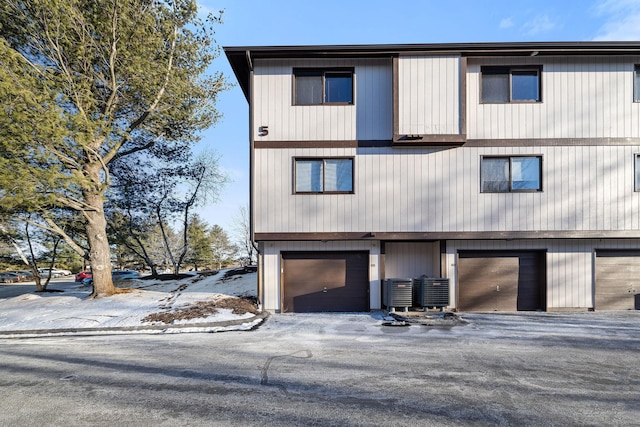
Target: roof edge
[{"x": 240, "y": 57}]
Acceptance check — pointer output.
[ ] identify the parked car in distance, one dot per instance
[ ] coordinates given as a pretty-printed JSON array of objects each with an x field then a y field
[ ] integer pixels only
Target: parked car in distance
[
  {"x": 28, "y": 274},
  {"x": 54, "y": 272},
  {"x": 116, "y": 275},
  {"x": 124, "y": 274},
  {"x": 82, "y": 275},
  {"x": 44, "y": 272},
  {"x": 9, "y": 277}
]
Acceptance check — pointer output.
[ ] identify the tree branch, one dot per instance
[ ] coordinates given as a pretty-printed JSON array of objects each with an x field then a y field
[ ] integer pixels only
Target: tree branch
[
  {"x": 54, "y": 228},
  {"x": 53, "y": 44},
  {"x": 111, "y": 154},
  {"x": 136, "y": 149},
  {"x": 112, "y": 63}
]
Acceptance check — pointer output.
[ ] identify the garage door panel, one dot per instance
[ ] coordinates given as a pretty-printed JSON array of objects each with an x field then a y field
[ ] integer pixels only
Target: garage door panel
[
  {"x": 487, "y": 282},
  {"x": 318, "y": 302},
  {"x": 615, "y": 299},
  {"x": 325, "y": 281},
  {"x": 617, "y": 280},
  {"x": 501, "y": 281},
  {"x": 479, "y": 298},
  {"x": 311, "y": 274},
  {"x": 491, "y": 266}
]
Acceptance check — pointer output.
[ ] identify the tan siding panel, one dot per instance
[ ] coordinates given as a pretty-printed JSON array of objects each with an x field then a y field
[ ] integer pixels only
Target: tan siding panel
[
  {"x": 585, "y": 188},
  {"x": 429, "y": 95},
  {"x": 407, "y": 259},
  {"x": 584, "y": 97},
  {"x": 369, "y": 118}
]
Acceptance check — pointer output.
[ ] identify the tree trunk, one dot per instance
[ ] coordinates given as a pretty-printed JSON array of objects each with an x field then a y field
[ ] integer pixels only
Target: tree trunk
[{"x": 99, "y": 252}]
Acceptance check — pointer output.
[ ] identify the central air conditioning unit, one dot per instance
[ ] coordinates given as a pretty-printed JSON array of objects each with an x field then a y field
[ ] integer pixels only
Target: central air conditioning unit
[
  {"x": 397, "y": 293},
  {"x": 431, "y": 292}
]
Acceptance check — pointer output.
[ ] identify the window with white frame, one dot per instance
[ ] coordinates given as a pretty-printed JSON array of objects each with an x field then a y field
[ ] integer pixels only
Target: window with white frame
[
  {"x": 511, "y": 84},
  {"x": 507, "y": 174},
  {"x": 323, "y": 86},
  {"x": 322, "y": 176}
]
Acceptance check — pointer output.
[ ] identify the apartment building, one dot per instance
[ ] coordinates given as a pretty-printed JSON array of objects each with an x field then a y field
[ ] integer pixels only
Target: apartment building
[{"x": 512, "y": 169}]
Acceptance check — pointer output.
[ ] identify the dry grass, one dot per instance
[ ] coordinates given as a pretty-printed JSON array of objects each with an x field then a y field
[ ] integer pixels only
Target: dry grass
[{"x": 203, "y": 309}]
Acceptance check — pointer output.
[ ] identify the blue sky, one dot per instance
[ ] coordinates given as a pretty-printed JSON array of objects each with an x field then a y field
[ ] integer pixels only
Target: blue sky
[{"x": 307, "y": 22}]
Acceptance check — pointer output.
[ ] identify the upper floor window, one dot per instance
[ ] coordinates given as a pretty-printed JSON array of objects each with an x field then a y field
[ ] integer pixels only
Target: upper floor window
[
  {"x": 511, "y": 84},
  {"x": 636, "y": 84},
  {"x": 330, "y": 175},
  {"x": 327, "y": 86},
  {"x": 511, "y": 174}
]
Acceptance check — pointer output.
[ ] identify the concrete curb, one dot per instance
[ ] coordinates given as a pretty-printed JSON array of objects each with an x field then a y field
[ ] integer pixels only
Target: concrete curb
[{"x": 256, "y": 320}]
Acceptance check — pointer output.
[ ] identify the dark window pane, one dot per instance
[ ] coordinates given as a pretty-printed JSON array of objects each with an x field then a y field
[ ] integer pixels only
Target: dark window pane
[
  {"x": 338, "y": 87},
  {"x": 338, "y": 175},
  {"x": 525, "y": 173},
  {"x": 495, "y": 87},
  {"x": 525, "y": 85},
  {"x": 308, "y": 89},
  {"x": 495, "y": 175}
]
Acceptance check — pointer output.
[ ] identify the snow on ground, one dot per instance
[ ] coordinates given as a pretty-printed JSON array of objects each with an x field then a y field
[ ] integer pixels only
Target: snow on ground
[{"x": 72, "y": 309}]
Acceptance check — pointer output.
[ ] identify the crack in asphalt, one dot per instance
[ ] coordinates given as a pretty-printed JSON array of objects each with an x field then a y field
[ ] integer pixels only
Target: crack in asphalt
[{"x": 264, "y": 376}]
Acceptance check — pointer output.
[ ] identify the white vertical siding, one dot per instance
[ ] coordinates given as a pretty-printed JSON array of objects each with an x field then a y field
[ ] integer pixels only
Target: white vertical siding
[
  {"x": 429, "y": 95},
  {"x": 412, "y": 259},
  {"x": 585, "y": 188},
  {"x": 369, "y": 118},
  {"x": 584, "y": 97}
]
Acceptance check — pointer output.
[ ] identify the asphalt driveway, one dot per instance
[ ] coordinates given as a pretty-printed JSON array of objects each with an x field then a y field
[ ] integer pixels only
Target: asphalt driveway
[{"x": 532, "y": 369}]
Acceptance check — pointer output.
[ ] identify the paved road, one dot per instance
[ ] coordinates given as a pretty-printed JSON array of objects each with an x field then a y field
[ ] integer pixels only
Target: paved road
[
  {"x": 10, "y": 290},
  {"x": 343, "y": 370}
]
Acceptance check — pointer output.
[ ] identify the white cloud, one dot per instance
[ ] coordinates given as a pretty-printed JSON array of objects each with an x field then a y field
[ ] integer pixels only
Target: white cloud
[
  {"x": 539, "y": 24},
  {"x": 627, "y": 28},
  {"x": 506, "y": 23},
  {"x": 606, "y": 7},
  {"x": 622, "y": 22}
]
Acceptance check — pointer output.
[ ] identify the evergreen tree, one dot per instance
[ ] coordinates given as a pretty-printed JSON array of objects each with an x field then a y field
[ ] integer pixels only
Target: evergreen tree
[
  {"x": 200, "y": 252},
  {"x": 224, "y": 252},
  {"x": 85, "y": 82}
]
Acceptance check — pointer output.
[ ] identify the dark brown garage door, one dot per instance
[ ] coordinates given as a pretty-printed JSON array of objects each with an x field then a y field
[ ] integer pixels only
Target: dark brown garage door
[
  {"x": 501, "y": 281},
  {"x": 325, "y": 281},
  {"x": 617, "y": 279}
]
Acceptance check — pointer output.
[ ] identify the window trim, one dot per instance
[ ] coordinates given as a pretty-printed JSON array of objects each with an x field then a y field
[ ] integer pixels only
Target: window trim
[
  {"x": 509, "y": 70},
  {"x": 636, "y": 172},
  {"x": 636, "y": 84},
  {"x": 323, "y": 74},
  {"x": 511, "y": 158},
  {"x": 323, "y": 160}
]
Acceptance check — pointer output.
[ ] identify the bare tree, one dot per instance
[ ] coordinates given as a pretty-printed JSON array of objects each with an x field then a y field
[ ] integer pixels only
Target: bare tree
[
  {"x": 242, "y": 236},
  {"x": 165, "y": 194}
]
